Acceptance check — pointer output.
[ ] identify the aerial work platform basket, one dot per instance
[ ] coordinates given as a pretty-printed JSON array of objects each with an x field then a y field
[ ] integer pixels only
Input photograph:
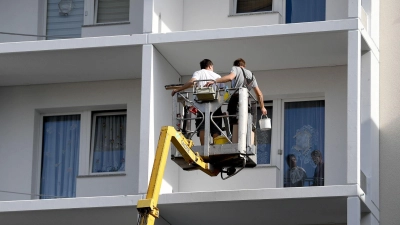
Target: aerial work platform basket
[
  {"x": 233, "y": 149},
  {"x": 221, "y": 156}
]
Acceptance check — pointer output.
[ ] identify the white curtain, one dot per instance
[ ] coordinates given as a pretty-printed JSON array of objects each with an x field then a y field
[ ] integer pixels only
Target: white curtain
[
  {"x": 60, "y": 156},
  {"x": 109, "y": 144}
]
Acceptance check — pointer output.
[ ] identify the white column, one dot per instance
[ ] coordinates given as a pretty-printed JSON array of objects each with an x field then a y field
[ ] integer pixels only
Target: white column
[
  {"x": 148, "y": 10},
  {"x": 354, "y": 8},
  {"x": 374, "y": 195},
  {"x": 147, "y": 149},
  {"x": 353, "y": 107},
  {"x": 366, "y": 123},
  {"x": 374, "y": 19},
  {"x": 353, "y": 211}
]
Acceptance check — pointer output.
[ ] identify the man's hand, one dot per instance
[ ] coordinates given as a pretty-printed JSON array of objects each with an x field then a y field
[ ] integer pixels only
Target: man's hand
[
  {"x": 209, "y": 83},
  {"x": 264, "y": 111},
  {"x": 173, "y": 92}
]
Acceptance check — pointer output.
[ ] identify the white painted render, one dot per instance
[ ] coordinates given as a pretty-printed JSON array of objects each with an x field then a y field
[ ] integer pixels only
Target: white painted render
[
  {"x": 210, "y": 14},
  {"x": 369, "y": 125},
  {"x": 164, "y": 74},
  {"x": 327, "y": 83},
  {"x": 178, "y": 208},
  {"x": 353, "y": 209},
  {"x": 336, "y": 9},
  {"x": 168, "y": 16},
  {"x": 25, "y": 19},
  {"x": 353, "y": 107},
  {"x": 21, "y": 109}
]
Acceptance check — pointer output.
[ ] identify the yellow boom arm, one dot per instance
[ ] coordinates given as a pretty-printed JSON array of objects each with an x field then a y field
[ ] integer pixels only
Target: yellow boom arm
[{"x": 147, "y": 208}]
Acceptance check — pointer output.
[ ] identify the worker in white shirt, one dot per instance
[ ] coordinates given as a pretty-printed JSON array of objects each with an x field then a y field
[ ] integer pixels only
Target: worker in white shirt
[{"x": 206, "y": 73}]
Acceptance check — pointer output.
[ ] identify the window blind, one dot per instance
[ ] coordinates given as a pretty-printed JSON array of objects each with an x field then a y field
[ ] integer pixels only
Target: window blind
[{"x": 112, "y": 11}]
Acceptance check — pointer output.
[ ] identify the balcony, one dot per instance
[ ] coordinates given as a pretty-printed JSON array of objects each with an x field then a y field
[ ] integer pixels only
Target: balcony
[{"x": 236, "y": 13}]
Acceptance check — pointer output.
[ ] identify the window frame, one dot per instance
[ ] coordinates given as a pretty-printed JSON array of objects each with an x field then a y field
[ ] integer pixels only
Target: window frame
[
  {"x": 95, "y": 13},
  {"x": 90, "y": 15},
  {"x": 84, "y": 166},
  {"x": 282, "y": 132},
  {"x": 38, "y": 160},
  {"x": 94, "y": 115},
  {"x": 269, "y": 104}
]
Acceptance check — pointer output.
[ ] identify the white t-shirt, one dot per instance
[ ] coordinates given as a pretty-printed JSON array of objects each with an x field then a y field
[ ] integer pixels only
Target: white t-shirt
[{"x": 206, "y": 75}]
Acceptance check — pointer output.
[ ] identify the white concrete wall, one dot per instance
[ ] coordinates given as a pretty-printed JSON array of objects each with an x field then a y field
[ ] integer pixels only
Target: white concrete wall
[
  {"x": 252, "y": 178},
  {"x": 389, "y": 111},
  {"x": 164, "y": 74},
  {"x": 19, "y": 16},
  {"x": 336, "y": 9},
  {"x": 20, "y": 113},
  {"x": 167, "y": 16},
  {"x": 369, "y": 135},
  {"x": 211, "y": 14},
  {"x": 135, "y": 25},
  {"x": 330, "y": 82}
]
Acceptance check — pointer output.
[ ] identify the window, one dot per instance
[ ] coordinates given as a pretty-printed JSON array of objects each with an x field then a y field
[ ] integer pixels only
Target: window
[
  {"x": 109, "y": 11},
  {"x": 60, "y": 156},
  {"x": 247, "y": 6},
  {"x": 264, "y": 138},
  {"x": 298, "y": 11},
  {"x": 304, "y": 141},
  {"x": 108, "y": 142}
]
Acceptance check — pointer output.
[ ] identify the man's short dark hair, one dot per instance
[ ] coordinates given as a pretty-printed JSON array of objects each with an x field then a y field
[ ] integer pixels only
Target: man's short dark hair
[
  {"x": 316, "y": 153},
  {"x": 289, "y": 158},
  {"x": 205, "y": 63},
  {"x": 239, "y": 62}
]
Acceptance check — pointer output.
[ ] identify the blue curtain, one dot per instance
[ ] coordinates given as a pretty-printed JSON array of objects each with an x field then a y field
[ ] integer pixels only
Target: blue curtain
[
  {"x": 304, "y": 136},
  {"x": 263, "y": 139},
  {"x": 298, "y": 11},
  {"x": 109, "y": 144},
  {"x": 60, "y": 155}
]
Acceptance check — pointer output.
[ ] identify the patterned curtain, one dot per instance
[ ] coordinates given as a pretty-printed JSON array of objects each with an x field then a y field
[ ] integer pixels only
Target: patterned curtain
[
  {"x": 60, "y": 155},
  {"x": 109, "y": 143},
  {"x": 304, "y": 141},
  {"x": 298, "y": 11}
]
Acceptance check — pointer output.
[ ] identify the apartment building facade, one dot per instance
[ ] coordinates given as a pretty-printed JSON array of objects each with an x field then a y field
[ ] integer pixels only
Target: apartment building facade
[{"x": 82, "y": 102}]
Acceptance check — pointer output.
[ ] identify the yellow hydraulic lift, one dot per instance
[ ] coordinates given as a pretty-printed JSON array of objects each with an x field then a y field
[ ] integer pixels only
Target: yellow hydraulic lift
[
  {"x": 212, "y": 159},
  {"x": 147, "y": 208}
]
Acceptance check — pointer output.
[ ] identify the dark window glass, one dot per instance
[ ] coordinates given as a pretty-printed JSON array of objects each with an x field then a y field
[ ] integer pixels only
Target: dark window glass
[
  {"x": 298, "y": 11},
  {"x": 245, "y": 6}
]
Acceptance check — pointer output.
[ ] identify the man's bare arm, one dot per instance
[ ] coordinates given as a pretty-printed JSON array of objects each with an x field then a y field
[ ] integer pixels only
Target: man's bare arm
[
  {"x": 223, "y": 79},
  {"x": 185, "y": 86},
  {"x": 260, "y": 98}
]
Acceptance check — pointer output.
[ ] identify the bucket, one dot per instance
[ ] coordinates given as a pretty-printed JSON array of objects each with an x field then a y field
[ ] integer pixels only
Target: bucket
[
  {"x": 220, "y": 140},
  {"x": 265, "y": 124}
]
